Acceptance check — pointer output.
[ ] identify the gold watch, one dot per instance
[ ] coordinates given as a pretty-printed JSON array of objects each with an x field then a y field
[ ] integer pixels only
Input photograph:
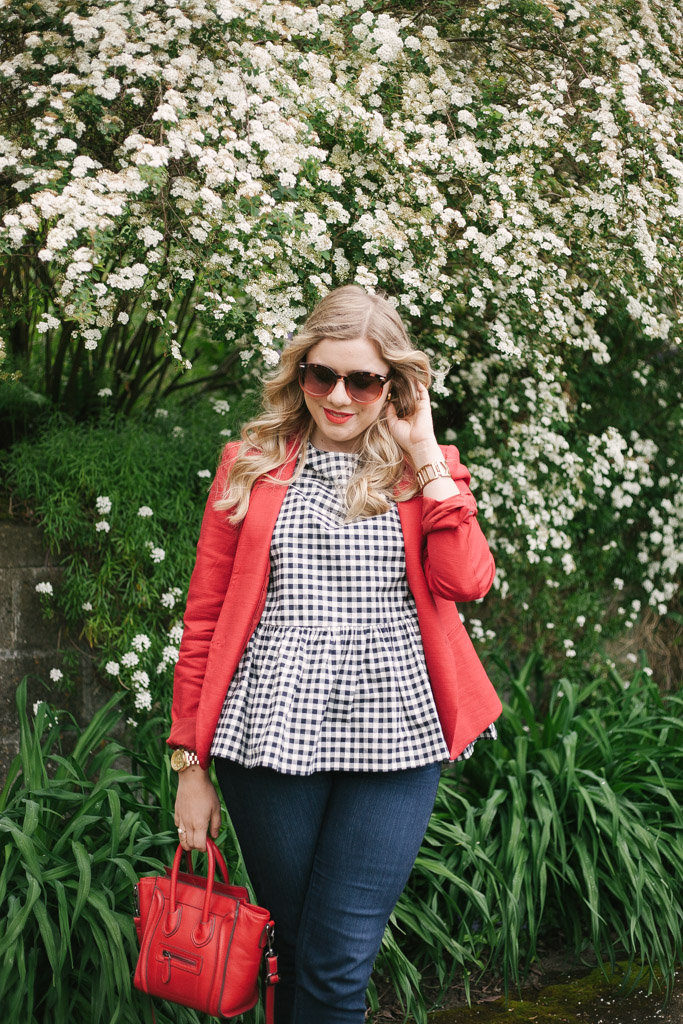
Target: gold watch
[
  {"x": 432, "y": 471},
  {"x": 182, "y": 759}
]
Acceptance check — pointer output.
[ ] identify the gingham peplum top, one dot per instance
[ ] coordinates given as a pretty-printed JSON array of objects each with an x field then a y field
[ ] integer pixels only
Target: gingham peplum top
[{"x": 334, "y": 676}]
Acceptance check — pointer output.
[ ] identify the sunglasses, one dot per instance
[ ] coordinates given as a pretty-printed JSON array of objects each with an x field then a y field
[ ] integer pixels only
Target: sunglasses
[{"x": 320, "y": 381}]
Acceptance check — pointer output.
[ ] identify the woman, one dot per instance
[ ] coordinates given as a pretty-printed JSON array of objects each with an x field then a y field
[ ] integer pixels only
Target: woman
[{"x": 323, "y": 663}]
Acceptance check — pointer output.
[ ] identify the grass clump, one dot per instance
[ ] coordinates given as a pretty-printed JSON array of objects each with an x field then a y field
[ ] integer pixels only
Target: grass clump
[
  {"x": 565, "y": 832},
  {"x": 78, "y": 826}
]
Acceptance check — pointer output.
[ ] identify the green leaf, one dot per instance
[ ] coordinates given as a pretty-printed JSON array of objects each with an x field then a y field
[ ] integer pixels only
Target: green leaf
[
  {"x": 84, "y": 877},
  {"x": 18, "y": 915},
  {"x": 24, "y": 845},
  {"x": 46, "y": 930}
]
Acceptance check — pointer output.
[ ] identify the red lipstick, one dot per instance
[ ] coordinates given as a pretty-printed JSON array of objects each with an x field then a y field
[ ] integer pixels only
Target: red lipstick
[{"x": 337, "y": 417}]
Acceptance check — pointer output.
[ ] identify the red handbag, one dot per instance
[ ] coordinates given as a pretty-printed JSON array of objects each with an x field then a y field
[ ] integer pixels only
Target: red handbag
[{"x": 202, "y": 941}]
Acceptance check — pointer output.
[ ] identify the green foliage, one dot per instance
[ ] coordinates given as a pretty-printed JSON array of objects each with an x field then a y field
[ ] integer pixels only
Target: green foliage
[
  {"x": 76, "y": 828},
  {"x": 566, "y": 829},
  {"x": 123, "y": 588},
  {"x": 21, "y": 410},
  {"x": 81, "y": 818}
]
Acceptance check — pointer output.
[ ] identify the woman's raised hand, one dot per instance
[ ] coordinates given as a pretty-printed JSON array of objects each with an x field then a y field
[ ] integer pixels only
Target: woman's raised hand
[
  {"x": 197, "y": 808},
  {"x": 415, "y": 433}
]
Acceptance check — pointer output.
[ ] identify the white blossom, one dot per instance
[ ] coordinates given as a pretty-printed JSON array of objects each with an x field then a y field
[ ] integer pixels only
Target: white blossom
[
  {"x": 168, "y": 598},
  {"x": 142, "y": 699},
  {"x": 175, "y": 633},
  {"x": 47, "y": 323},
  {"x": 493, "y": 218}
]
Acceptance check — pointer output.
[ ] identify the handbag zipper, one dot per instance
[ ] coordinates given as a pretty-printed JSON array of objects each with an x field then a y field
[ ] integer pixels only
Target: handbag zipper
[{"x": 182, "y": 961}]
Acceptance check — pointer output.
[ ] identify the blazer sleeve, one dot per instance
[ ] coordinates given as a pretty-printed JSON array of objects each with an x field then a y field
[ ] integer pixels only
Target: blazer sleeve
[
  {"x": 208, "y": 585},
  {"x": 456, "y": 559}
]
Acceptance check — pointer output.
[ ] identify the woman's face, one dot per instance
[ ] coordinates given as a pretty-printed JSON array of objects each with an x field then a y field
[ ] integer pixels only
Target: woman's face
[{"x": 339, "y": 421}]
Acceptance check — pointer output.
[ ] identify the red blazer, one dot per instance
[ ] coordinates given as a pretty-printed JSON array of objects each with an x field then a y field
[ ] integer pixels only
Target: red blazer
[{"x": 447, "y": 560}]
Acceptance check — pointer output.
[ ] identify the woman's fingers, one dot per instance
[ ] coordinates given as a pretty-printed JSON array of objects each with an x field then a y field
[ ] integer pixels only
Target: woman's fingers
[
  {"x": 410, "y": 430},
  {"x": 193, "y": 836},
  {"x": 197, "y": 809},
  {"x": 182, "y": 838},
  {"x": 193, "y": 839},
  {"x": 183, "y": 833},
  {"x": 197, "y": 839}
]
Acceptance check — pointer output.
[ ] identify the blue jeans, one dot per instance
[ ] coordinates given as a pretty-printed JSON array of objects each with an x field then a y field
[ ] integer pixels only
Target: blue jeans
[{"x": 329, "y": 855}]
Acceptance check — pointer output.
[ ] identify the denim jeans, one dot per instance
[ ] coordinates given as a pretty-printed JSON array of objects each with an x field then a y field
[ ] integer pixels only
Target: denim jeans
[{"x": 329, "y": 855}]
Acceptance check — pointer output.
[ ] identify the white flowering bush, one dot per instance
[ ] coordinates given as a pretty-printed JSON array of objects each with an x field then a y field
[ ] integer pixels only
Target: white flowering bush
[{"x": 183, "y": 182}]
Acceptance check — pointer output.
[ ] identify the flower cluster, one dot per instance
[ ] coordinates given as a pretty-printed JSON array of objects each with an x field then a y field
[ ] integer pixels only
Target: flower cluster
[{"x": 518, "y": 194}]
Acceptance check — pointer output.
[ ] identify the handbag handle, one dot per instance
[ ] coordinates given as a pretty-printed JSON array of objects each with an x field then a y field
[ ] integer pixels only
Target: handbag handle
[
  {"x": 220, "y": 860},
  {"x": 172, "y": 922}
]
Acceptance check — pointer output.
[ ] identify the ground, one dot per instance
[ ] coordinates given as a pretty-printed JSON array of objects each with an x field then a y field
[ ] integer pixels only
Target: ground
[{"x": 561, "y": 989}]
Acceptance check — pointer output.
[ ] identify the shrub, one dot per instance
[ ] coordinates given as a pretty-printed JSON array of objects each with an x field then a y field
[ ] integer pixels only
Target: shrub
[
  {"x": 121, "y": 503},
  {"x": 78, "y": 828},
  {"x": 508, "y": 171},
  {"x": 75, "y": 830},
  {"x": 567, "y": 830}
]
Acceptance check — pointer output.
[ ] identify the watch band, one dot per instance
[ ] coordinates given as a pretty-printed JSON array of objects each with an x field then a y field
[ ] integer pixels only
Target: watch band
[
  {"x": 182, "y": 759},
  {"x": 432, "y": 471}
]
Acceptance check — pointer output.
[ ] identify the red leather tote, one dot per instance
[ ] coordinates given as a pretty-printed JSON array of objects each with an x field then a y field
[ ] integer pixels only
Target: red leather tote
[{"x": 202, "y": 941}]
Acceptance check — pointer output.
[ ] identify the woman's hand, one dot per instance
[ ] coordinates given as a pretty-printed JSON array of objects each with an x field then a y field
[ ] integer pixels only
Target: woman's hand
[
  {"x": 415, "y": 433},
  {"x": 197, "y": 808}
]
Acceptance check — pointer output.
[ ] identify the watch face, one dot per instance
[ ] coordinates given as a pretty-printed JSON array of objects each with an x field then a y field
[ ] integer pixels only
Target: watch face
[{"x": 178, "y": 760}]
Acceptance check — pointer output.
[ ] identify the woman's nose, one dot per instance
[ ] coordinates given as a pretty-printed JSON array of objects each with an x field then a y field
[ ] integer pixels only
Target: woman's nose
[{"x": 338, "y": 394}]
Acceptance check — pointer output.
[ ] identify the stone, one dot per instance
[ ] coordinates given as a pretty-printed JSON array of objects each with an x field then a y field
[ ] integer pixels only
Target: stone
[
  {"x": 34, "y": 631},
  {"x": 20, "y": 545},
  {"x": 7, "y": 601}
]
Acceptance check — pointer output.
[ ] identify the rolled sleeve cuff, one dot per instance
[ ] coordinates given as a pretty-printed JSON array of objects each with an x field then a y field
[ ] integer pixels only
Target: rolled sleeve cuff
[
  {"x": 183, "y": 734},
  {"x": 447, "y": 513}
]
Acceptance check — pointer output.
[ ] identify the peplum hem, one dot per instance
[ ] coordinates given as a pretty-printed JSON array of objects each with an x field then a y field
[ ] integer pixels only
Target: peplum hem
[{"x": 310, "y": 698}]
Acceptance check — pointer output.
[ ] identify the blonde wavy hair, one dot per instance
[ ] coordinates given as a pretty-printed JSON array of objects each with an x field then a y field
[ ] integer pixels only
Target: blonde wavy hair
[{"x": 383, "y": 474}]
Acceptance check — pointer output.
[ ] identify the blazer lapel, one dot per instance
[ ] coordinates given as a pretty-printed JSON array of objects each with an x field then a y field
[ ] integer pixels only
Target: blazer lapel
[{"x": 252, "y": 558}]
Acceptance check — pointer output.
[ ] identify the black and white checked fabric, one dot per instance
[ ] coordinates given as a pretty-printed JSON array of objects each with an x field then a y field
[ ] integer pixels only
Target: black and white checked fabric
[{"x": 334, "y": 675}]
